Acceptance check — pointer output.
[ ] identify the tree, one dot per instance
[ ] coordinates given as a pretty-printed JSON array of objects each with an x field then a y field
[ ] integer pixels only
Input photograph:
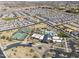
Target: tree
[
  {"x": 12, "y": 49},
  {"x": 3, "y": 37},
  {"x": 7, "y": 38},
  {"x": 35, "y": 56},
  {"x": 10, "y": 39},
  {"x": 39, "y": 47},
  {"x": 49, "y": 55},
  {"x": 31, "y": 50},
  {"x": 14, "y": 53},
  {"x": 62, "y": 34},
  {"x": 26, "y": 54}
]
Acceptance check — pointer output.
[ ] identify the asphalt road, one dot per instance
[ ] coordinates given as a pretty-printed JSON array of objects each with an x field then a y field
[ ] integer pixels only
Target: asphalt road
[{"x": 1, "y": 54}]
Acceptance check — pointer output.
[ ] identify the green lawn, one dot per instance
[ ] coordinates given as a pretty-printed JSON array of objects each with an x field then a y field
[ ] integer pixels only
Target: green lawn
[
  {"x": 19, "y": 36},
  {"x": 8, "y": 18}
]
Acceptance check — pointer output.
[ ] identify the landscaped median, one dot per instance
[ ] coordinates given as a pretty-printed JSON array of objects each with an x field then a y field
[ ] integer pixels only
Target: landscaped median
[{"x": 9, "y": 18}]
